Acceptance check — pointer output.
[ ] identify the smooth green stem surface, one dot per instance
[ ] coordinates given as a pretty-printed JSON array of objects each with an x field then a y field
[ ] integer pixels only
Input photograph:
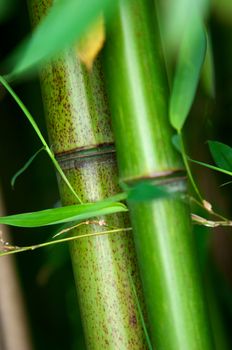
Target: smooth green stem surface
[
  {"x": 137, "y": 87},
  {"x": 172, "y": 283}
]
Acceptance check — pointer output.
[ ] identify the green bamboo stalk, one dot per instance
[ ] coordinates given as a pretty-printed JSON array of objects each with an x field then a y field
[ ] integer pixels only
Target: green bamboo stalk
[
  {"x": 81, "y": 138},
  {"x": 138, "y": 91}
]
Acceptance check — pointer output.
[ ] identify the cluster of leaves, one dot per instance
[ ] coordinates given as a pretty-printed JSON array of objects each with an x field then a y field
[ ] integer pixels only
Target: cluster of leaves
[{"x": 64, "y": 24}]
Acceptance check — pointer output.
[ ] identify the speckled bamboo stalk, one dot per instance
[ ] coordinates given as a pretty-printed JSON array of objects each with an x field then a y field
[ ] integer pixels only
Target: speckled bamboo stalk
[
  {"x": 81, "y": 138},
  {"x": 165, "y": 246}
]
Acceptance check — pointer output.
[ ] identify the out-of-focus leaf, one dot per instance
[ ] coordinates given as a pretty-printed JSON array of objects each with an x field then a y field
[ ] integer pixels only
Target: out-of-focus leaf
[
  {"x": 64, "y": 214},
  {"x": 177, "y": 15},
  {"x": 146, "y": 191},
  {"x": 91, "y": 43},
  {"x": 222, "y": 154},
  {"x": 190, "y": 61},
  {"x": 64, "y": 24},
  {"x": 208, "y": 71},
  {"x": 176, "y": 141}
]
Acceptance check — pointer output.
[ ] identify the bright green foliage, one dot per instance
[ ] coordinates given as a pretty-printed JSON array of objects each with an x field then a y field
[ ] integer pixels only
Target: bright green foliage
[
  {"x": 222, "y": 154},
  {"x": 64, "y": 24},
  {"x": 140, "y": 192},
  {"x": 64, "y": 214},
  {"x": 178, "y": 14},
  {"x": 190, "y": 61}
]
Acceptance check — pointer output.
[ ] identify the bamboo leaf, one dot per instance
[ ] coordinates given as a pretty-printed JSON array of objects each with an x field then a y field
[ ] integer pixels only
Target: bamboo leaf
[
  {"x": 24, "y": 168},
  {"x": 222, "y": 154},
  {"x": 178, "y": 143},
  {"x": 212, "y": 167},
  {"x": 190, "y": 61},
  {"x": 64, "y": 24},
  {"x": 39, "y": 134},
  {"x": 91, "y": 43},
  {"x": 177, "y": 14},
  {"x": 145, "y": 190},
  {"x": 63, "y": 214}
]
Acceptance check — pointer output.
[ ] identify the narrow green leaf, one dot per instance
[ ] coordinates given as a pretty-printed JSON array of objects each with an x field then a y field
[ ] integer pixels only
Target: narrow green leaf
[
  {"x": 212, "y": 167},
  {"x": 24, "y": 168},
  {"x": 178, "y": 143},
  {"x": 63, "y": 214},
  {"x": 117, "y": 197},
  {"x": 222, "y": 154},
  {"x": 39, "y": 134},
  {"x": 190, "y": 61},
  {"x": 140, "y": 312},
  {"x": 64, "y": 24}
]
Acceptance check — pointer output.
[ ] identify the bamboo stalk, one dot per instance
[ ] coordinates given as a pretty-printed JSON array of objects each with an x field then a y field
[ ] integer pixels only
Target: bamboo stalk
[
  {"x": 81, "y": 138},
  {"x": 166, "y": 251}
]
